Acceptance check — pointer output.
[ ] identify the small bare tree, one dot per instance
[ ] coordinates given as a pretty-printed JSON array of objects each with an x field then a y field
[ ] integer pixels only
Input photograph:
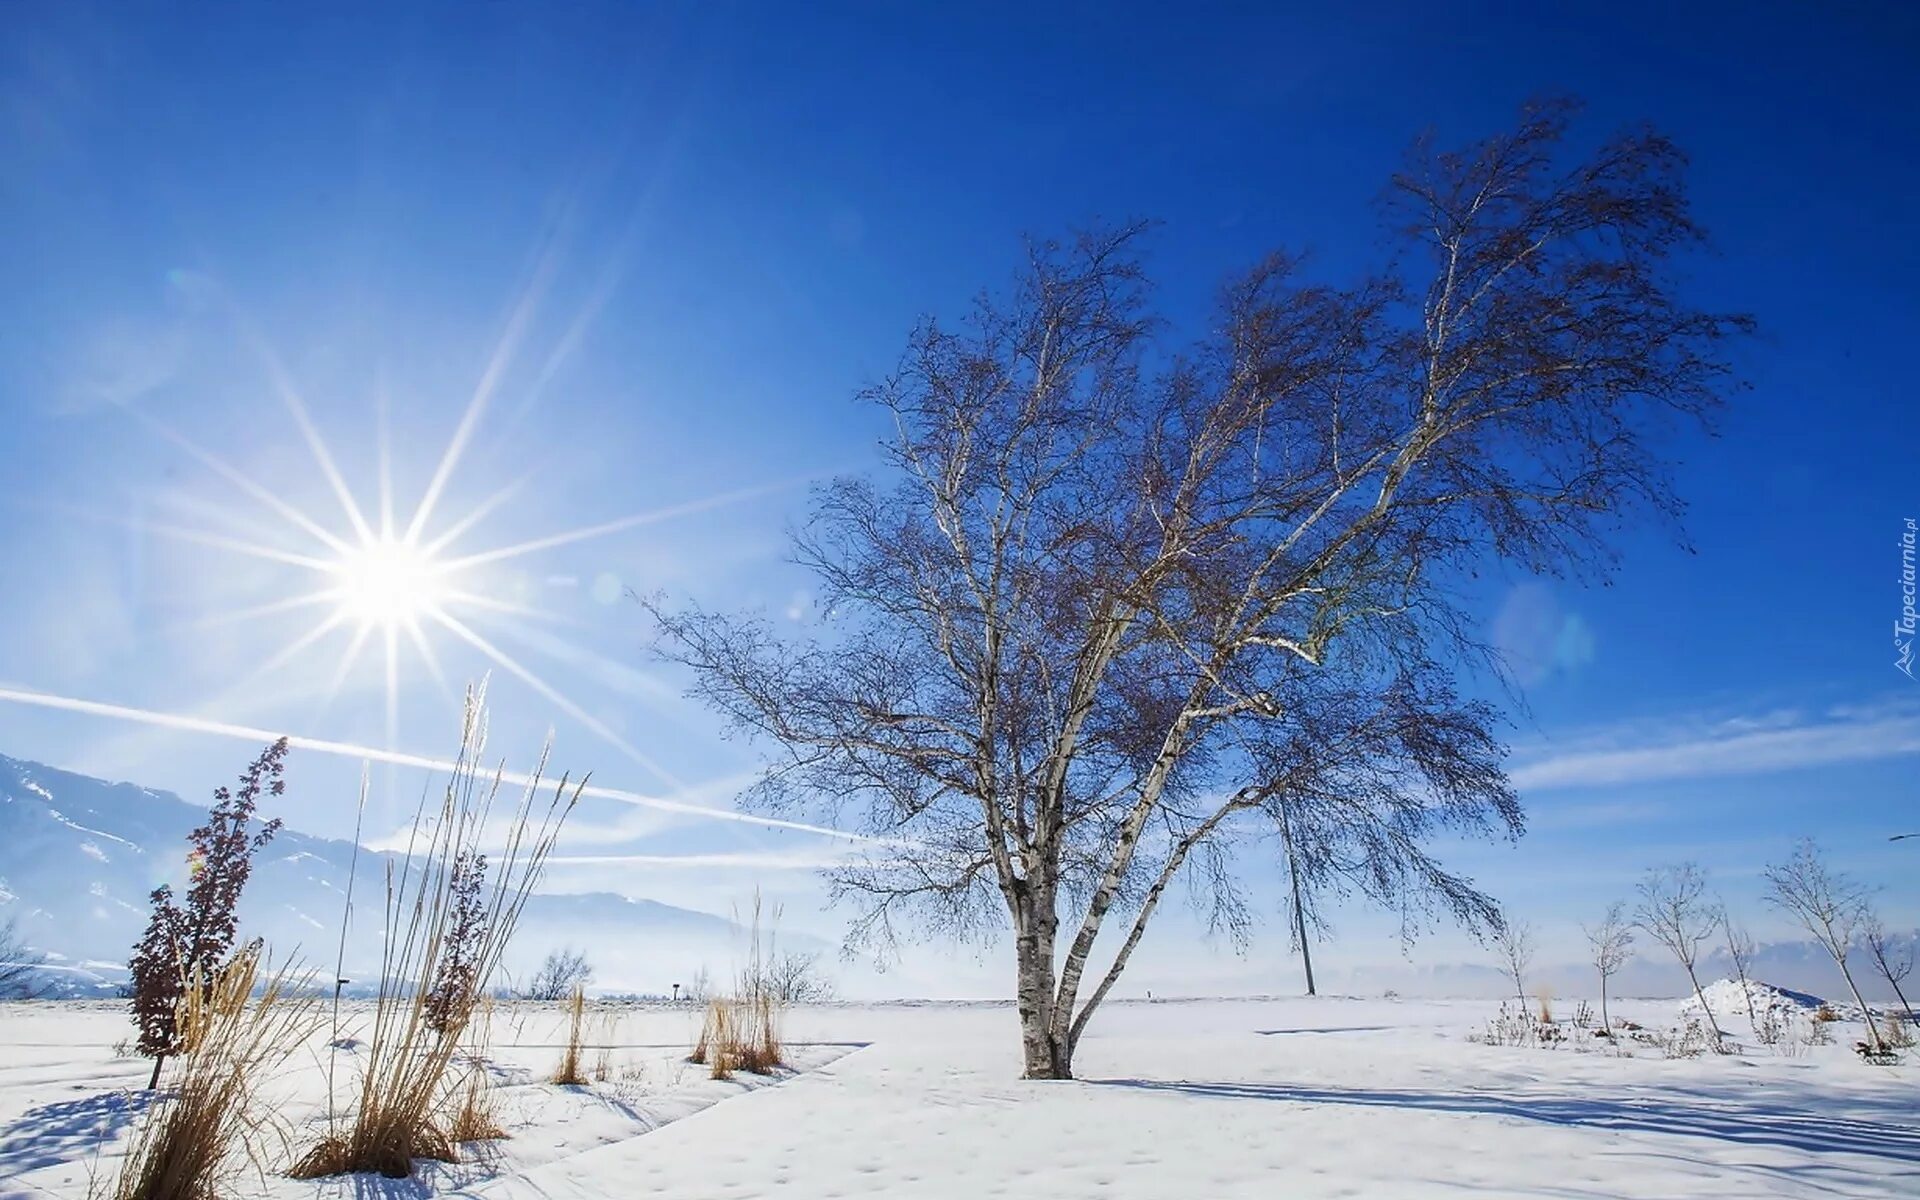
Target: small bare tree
[
  {"x": 20, "y": 967},
  {"x": 560, "y": 973},
  {"x": 1118, "y": 598},
  {"x": 790, "y": 977},
  {"x": 1830, "y": 905},
  {"x": 1740, "y": 951},
  {"x": 1895, "y": 961},
  {"x": 1611, "y": 942},
  {"x": 1514, "y": 941},
  {"x": 1673, "y": 911}
]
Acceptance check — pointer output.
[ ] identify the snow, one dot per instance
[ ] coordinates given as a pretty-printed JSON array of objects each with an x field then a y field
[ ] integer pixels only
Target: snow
[
  {"x": 1298, "y": 1098},
  {"x": 1726, "y": 997},
  {"x": 61, "y": 817}
]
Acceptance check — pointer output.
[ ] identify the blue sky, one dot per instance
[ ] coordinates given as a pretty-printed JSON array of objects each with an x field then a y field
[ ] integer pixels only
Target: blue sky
[{"x": 665, "y": 246}]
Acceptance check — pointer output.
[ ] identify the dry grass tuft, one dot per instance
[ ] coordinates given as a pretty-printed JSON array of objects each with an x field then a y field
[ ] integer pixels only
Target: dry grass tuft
[
  {"x": 407, "y": 1064},
  {"x": 758, "y": 1049},
  {"x": 719, "y": 1044},
  {"x": 570, "y": 1070},
  {"x": 474, "y": 1118},
  {"x": 195, "y": 1141},
  {"x": 742, "y": 1033}
]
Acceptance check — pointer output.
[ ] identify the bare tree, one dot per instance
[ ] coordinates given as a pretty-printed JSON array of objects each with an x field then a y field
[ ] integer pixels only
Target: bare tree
[
  {"x": 790, "y": 977},
  {"x": 19, "y": 966},
  {"x": 1673, "y": 911},
  {"x": 1895, "y": 961},
  {"x": 1122, "y": 600},
  {"x": 1514, "y": 942},
  {"x": 1612, "y": 943},
  {"x": 1740, "y": 950},
  {"x": 560, "y": 973},
  {"x": 1830, "y": 905}
]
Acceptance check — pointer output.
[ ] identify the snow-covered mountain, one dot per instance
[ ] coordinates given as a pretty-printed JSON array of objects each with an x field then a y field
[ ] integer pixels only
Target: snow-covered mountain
[{"x": 79, "y": 857}]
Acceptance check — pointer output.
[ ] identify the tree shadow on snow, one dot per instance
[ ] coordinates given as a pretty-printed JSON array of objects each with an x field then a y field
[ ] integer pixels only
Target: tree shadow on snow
[
  {"x": 1324, "y": 1029},
  {"x": 61, "y": 1133},
  {"x": 1743, "y": 1123}
]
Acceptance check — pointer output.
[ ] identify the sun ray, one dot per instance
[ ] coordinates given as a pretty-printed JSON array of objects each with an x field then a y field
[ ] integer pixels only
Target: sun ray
[
  {"x": 347, "y": 660},
  {"x": 208, "y": 460},
  {"x": 431, "y": 659},
  {"x": 192, "y": 724},
  {"x": 292, "y": 649},
  {"x": 474, "y": 516},
  {"x": 393, "y": 686},
  {"x": 270, "y": 608},
  {"x": 606, "y": 671},
  {"x": 553, "y": 695},
  {"x": 223, "y": 542},
  {"x": 384, "y": 440},
  {"x": 631, "y": 521},
  {"x": 497, "y": 363},
  {"x": 506, "y": 607},
  {"x": 290, "y": 396}
]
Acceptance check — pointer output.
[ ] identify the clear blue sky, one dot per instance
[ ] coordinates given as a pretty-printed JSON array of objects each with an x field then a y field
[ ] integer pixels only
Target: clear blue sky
[{"x": 682, "y": 237}]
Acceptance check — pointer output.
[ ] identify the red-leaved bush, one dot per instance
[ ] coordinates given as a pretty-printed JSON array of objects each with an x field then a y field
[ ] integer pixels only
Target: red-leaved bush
[{"x": 189, "y": 940}]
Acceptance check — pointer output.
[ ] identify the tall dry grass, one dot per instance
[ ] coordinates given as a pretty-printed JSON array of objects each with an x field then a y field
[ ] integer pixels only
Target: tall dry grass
[
  {"x": 200, "y": 1137},
  {"x": 411, "y": 1096},
  {"x": 570, "y": 1070},
  {"x": 742, "y": 1032}
]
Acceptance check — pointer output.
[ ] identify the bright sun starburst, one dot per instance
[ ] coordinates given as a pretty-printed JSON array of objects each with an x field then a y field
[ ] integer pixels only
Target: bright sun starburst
[
  {"x": 390, "y": 583},
  {"x": 394, "y": 583}
]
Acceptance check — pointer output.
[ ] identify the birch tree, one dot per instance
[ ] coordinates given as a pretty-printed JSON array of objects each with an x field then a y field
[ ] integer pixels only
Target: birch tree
[
  {"x": 1611, "y": 942},
  {"x": 1830, "y": 905},
  {"x": 1514, "y": 941},
  {"x": 1115, "y": 602},
  {"x": 1894, "y": 961},
  {"x": 1740, "y": 952},
  {"x": 1674, "y": 912}
]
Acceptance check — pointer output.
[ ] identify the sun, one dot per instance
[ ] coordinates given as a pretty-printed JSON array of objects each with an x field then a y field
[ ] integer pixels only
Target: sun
[{"x": 390, "y": 582}]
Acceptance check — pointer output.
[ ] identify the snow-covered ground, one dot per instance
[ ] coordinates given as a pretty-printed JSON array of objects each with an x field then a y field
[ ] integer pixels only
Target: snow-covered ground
[{"x": 1295, "y": 1098}]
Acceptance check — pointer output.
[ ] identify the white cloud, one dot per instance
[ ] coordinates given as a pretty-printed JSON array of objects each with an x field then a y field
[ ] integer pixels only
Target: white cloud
[{"x": 1698, "y": 748}]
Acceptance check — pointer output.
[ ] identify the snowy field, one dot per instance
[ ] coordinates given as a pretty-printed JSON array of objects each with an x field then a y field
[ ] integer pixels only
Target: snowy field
[{"x": 1284, "y": 1098}]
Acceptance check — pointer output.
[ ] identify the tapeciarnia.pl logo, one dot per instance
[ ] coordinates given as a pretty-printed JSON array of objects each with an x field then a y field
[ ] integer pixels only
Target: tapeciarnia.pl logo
[{"x": 1904, "y": 627}]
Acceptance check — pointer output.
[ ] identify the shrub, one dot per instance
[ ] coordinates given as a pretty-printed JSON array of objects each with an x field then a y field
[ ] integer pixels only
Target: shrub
[
  {"x": 192, "y": 1144},
  {"x": 185, "y": 943},
  {"x": 406, "y": 1063},
  {"x": 456, "y": 985}
]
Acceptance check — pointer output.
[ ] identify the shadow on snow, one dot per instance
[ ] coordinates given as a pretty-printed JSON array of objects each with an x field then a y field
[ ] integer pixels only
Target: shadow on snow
[
  {"x": 1742, "y": 1123},
  {"x": 69, "y": 1130}
]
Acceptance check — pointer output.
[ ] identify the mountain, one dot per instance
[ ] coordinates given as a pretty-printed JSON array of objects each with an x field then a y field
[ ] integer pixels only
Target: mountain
[{"x": 79, "y": 857}]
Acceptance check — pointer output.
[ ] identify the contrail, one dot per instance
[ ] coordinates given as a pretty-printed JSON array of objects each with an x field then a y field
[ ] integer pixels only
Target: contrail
[{"x": 249, "y": 733}]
